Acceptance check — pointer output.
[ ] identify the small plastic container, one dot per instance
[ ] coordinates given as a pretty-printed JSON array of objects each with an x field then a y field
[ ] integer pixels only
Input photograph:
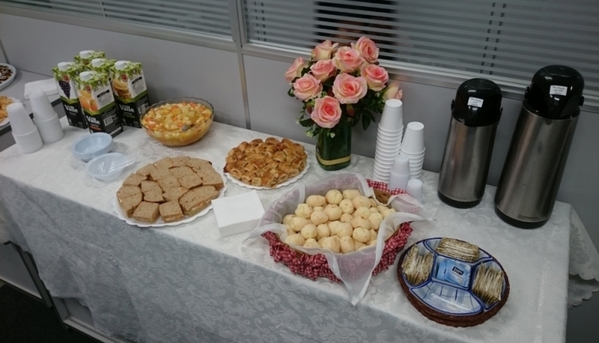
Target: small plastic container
[
  {"x": 104, "y": 166},
  {"x": 93, "y": 145}
]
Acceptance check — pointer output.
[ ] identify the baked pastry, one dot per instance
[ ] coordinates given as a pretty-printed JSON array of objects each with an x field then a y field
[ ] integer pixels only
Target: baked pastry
[
  {"x": 266, "y": 163},
  {"x": 184, "y": 185}
]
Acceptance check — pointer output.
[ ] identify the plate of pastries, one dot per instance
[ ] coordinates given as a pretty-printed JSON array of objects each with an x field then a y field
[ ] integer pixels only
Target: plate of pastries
[
  {"x": 168, "y": 192},
  {"x": 266, "y": 163}
]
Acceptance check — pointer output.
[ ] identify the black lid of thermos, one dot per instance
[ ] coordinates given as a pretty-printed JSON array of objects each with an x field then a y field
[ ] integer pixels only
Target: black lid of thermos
[
  {"x": 555, "y": 92},
  {"x": 477, "y": 103}
]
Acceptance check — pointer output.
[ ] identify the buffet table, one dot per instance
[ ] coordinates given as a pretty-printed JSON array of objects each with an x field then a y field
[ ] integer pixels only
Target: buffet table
[{"x": 186, "y": 284}]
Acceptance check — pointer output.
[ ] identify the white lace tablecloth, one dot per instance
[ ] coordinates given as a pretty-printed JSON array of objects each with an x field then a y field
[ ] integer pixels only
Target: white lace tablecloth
[{"x": 186, "y": 284}]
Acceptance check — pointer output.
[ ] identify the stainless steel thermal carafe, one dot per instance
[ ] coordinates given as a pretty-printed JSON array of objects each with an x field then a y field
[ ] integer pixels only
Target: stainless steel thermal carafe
[
  {"x": 476, "y": 111},
  {"x": 539, "y": 149}
]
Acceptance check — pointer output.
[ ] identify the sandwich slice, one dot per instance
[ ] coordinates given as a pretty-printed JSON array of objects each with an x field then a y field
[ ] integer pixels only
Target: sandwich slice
[
  {"x": 197, "y": 199},
  {"x": 171, "y": 211},
  {"x": 190, "y": 181},
  {"x": 130, "y": 203},
  {"x": 134, "y": 179},
  {"x": 154, "y": 196},
  {"x": 174, "y": 193},
  {"x": 146, "y": 212},
  {"x": 211, "y": 178}
]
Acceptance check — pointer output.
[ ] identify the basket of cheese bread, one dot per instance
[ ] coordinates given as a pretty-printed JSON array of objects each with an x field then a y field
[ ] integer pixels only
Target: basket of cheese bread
[
  {"x": 170, "y": 191},
  {"x": 336, "y": 228}
]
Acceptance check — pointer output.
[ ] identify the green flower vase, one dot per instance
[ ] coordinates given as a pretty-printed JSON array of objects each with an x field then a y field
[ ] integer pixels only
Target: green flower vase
[{"x": 334, "y": 153}]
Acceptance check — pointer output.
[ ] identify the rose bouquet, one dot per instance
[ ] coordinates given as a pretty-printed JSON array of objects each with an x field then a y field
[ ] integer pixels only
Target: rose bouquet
[{"x": 340, "y": 83}]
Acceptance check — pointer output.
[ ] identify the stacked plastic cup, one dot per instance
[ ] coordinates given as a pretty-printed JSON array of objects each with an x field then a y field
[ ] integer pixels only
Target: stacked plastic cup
[
  {"x": 412, "y": 147},
  {"x": 45, "y": 118},
  {"x": 24, "y": 131},
  {"x": 388, "y": 139}
]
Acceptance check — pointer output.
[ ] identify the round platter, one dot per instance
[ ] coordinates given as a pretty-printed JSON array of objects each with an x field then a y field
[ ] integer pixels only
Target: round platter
[
  {"x": 160, "y": 223},
  {"x": 7, "y": 74},
  {"x": 449, "y": 302},
  {"x": 286, "y": 183},
  {"x": 4, "y": 122}
]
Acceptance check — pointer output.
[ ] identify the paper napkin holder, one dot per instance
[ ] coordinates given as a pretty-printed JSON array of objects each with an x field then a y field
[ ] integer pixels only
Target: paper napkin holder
[{"x": 238, "y": 213}]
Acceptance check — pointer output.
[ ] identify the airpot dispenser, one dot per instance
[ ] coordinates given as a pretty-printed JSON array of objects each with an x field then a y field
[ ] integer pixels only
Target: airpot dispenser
[
  {"x": 537, "y": 156},
  {"x": 475, "y": 114}
]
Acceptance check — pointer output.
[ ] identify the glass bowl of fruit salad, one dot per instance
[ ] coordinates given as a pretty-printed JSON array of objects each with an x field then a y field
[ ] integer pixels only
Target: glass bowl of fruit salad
[{"x": 178, "y": 122}]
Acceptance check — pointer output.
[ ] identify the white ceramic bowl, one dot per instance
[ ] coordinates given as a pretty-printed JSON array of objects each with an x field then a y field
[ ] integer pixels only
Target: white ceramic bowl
[
  {"x": 93, "y": 145},
  {"x": 99, "y": 167}
]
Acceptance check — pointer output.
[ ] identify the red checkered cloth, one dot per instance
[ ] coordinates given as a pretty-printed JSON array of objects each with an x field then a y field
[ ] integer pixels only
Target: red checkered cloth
[
  {"x": 382, "y": 186},
  {"x": 314, "y": 266}
]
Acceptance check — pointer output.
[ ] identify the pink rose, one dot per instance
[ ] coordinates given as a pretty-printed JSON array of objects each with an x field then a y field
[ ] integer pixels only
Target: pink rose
[
  {"x": 349, "y": 89},
  {"x": 327, "y": 112},
  {"x": 367, "y": 49},
  {"x": 307, "y": 87},
  {"x": 296, "y": 69},
  {"x": 323, "y": 69},
  {"x": 348, "y": 60},
  {"x": 323, "y": 50},
  {"x": 376, "y": 76},
  {"x": 393, "y": 91}
]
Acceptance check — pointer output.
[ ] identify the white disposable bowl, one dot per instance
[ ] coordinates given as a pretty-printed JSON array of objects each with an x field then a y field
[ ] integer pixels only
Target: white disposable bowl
[
  {"x": 93, "y": 145},
  {"x": 98, "y": 167}
]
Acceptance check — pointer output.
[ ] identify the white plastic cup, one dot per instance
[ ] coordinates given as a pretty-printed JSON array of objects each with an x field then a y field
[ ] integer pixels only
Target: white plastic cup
[
  {"x": 392, "y": 117},
  {"x": 414, "y": 188},
  {"x": 401, "y": 164},
  {"x": 398, "y": 181},
  {"x": 413, "y": 138},
  {"x": 50, "y": 129},
  {"x": 41, "y": 106},
  {"x": 20, "y": 122},
  {"x": 28, "y": 142}
]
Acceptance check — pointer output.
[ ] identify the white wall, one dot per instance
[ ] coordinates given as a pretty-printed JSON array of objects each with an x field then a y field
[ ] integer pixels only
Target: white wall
[{"x": 176, "y": 69}]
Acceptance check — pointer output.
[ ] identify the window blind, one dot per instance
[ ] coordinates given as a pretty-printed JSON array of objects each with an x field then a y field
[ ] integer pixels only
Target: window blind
[
  {"x": 508, "y": 40},
  {"x": 203, "y": 16}
]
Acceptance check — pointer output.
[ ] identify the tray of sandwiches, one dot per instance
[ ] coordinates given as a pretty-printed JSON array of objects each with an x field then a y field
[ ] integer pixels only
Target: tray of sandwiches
[
  {"x": 169, "y": 192},
  {"x": 266, "y": 164},
  {"x": 453, "y": 282}
]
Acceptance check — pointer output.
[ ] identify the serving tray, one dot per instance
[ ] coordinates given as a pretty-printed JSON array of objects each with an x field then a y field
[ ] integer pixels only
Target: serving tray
[{"x": 451, "y": 303}]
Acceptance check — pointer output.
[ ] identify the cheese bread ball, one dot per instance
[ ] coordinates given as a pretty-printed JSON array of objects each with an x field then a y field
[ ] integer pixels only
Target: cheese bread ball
[
  {"x": 347, "y": 244},
  {"x": 333, "y": 211},
  {"x": 331, "y": 243},
  {"x": 303, "y": 210},
  {"x": 311, "y": 243},
  {"x": 309, "y": 231},
  {"x": 319, "y": 217},
  {"x": 316, "y": 200},
  {"x": 323, "y": 230},
  {"x": 297, "y": 223},
  {"x": 351, "y": 193},
  {"x": 334, "y": 197},
  {"x": 295, "y": 239},
  {"x": 346, "y": 206}
]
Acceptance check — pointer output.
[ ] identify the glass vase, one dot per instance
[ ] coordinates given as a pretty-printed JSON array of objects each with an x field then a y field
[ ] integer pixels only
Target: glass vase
[{"x": 334, "y": 153}]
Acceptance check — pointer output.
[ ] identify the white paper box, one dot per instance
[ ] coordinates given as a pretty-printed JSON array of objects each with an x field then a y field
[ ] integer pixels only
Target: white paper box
[{"x": 238, "y": 213}]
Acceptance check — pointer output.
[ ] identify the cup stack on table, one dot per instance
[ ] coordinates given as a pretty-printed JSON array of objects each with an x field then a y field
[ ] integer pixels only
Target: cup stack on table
[
  {"x": 27, "y": 136},
  {"x": 45, "y": 118},
  {"x": 388, "y": 139},
  {"x": 412, "y": 147}
]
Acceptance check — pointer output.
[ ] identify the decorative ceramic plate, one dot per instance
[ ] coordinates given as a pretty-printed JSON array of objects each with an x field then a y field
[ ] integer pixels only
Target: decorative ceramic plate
[
  {"x": 160, "y": 223},
  {"x": 448, "y": 300},
  {"x": 7, "y": 74},
  {"x": 286, "y": 183}
]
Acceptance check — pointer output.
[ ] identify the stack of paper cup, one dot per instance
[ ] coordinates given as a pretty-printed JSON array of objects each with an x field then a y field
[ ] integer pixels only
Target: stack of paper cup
[
  {"x": 412, "y": 147},
  {"x": 24, "y": 131},
  {"x": 388, "y": 139},
  {"x": 45, "y": 118}
]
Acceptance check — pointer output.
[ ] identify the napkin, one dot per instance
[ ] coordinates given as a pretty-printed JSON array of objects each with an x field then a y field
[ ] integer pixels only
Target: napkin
[
  {"x": 48, "y": 86},
  {"x": 238, "y": 213}
]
